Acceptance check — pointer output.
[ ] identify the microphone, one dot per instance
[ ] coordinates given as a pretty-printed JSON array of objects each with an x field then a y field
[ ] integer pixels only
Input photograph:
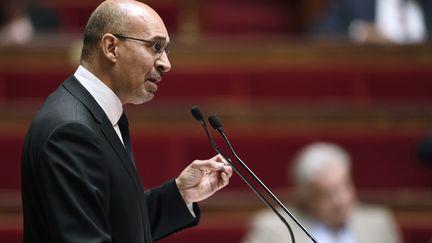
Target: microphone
[
  {"x": 198, "y": 115},
  {"x": 217, "y": 125}
]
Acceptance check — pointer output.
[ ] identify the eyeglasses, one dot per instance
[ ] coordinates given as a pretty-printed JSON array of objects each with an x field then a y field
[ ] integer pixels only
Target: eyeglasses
[{"x": 158, "y": 47}]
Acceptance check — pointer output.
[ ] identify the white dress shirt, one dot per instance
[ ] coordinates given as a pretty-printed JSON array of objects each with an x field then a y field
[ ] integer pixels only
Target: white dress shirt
[{"x": 104, "y": 96}]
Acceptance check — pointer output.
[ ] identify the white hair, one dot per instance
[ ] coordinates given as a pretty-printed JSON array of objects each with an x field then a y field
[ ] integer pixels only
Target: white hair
[{"x": 312, "y": 159}]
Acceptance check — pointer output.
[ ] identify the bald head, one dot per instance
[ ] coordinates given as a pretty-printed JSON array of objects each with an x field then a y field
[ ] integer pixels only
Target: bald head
[{"x": 114, "y": 16}]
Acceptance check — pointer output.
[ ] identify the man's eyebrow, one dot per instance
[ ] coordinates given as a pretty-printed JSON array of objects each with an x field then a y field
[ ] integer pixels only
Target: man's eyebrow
[{"x": 160, "y": 39}]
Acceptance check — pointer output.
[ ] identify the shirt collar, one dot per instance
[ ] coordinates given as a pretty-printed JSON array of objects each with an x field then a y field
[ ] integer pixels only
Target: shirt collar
[{"x": 104, "y": 96}]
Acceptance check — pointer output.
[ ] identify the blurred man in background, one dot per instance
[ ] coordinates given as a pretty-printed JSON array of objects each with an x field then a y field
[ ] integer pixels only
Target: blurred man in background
[
  {"x": 378, "y": 21},
  {"x": 327, "y": 204}
]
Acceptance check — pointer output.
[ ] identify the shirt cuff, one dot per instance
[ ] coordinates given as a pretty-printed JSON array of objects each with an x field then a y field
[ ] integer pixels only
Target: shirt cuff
[{"x": 190, "y": 207}]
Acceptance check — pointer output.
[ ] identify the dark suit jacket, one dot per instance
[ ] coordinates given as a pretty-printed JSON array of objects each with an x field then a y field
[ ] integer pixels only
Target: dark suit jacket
[
  {"x": 342, "y": 12},
  {"x": 80, "y": 185}
]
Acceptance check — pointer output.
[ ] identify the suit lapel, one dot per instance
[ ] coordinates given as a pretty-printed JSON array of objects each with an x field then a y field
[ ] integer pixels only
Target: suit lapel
[
  {"x": 120, "y": 150},
  {"x": 77, "y": 90},
  {"x": 118, "y": 147}
]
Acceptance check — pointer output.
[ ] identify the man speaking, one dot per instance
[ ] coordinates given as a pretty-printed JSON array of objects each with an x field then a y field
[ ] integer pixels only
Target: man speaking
[{"x": 79, "y": 181}]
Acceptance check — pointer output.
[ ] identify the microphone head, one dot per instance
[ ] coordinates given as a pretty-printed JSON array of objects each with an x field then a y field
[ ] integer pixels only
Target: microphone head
[
  {"x": 196, "y": 113},
  {"x": 215, "y": 122}
]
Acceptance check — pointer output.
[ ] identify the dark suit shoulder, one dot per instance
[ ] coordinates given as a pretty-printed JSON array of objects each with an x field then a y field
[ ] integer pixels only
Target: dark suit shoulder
[{"x": 60, "y": 108}]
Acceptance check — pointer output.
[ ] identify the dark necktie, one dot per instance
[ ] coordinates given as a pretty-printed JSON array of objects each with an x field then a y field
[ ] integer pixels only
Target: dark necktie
[{"x": 124, "y": 130}]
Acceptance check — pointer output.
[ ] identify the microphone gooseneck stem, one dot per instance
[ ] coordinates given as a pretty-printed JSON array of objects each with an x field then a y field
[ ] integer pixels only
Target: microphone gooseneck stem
[
  {"x": 239, "y": 173},
  {"x": 220, "y": 130}
]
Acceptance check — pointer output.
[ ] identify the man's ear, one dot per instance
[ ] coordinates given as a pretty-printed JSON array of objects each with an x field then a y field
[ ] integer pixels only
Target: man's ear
[{"x": 109, "y": 47}]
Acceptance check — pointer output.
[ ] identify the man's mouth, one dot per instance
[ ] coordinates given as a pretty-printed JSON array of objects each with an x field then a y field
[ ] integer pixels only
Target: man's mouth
[
  {"x": 154, "y": 80},
  {"x": 152, "y": 84}
]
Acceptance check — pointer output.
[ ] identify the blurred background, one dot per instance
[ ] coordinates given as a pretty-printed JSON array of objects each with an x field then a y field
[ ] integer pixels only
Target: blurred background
[{"x": 279, "y": 74}]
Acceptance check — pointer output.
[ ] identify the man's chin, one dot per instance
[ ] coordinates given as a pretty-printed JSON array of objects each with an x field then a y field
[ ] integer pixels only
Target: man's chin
[
  {"x": 146, "y": 99},
  {"x": 142, "y": 99}
]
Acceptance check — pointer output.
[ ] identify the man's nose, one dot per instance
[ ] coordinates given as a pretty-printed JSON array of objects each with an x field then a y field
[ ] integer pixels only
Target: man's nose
[{"x": 163, "y": 64}]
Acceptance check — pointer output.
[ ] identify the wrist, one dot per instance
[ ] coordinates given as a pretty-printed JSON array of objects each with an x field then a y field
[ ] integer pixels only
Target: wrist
[{"x": 181, "y": 191}]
